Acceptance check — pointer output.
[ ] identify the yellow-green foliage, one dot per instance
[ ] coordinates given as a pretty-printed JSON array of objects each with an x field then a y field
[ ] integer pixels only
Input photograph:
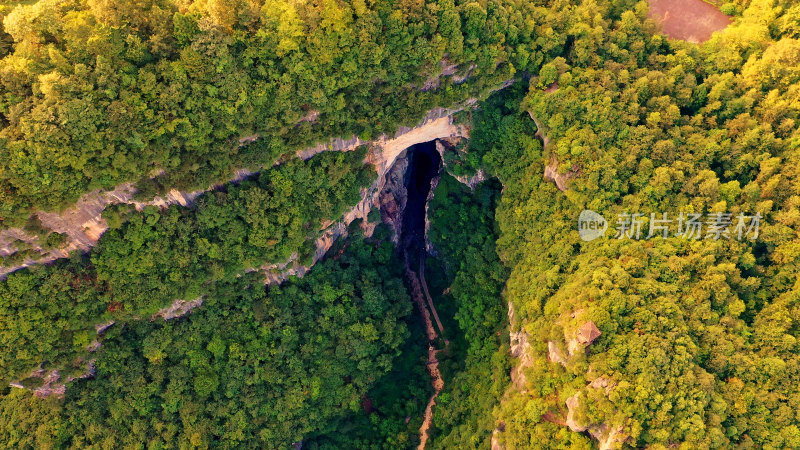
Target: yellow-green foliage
[{"x": 699, "y": 337}]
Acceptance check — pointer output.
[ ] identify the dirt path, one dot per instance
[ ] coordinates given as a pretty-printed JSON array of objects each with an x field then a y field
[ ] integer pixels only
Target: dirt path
[
  {"x": 428, "y": 296},
  {"x": 433, "y": 362},
  {"x": 438, "y": 385},
  {"x": 539, "y": 131}
]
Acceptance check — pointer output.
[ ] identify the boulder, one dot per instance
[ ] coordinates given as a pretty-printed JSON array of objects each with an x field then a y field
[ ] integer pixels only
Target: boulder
[{"x": 587, "y": 333}]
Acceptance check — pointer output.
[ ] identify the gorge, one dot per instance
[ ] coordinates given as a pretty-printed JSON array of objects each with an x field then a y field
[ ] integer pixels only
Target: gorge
[{"x": 422, "y": 174}]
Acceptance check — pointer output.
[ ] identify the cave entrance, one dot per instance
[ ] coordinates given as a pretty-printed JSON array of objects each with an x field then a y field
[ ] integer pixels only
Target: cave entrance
[{"x": 424, "y": 164}]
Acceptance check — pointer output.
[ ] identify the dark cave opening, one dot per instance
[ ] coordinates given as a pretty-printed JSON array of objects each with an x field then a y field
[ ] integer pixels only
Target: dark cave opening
[{"x": 424, "y": 164}]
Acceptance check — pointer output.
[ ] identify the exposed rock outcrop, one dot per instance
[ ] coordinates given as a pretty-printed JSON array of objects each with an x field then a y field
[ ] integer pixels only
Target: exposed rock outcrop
[
  {"x": 540, "y": 132},
  {"x": 572, "y": 405},
  {"x": 388, "y": 157},
  {"x": 586, "y": 333},
  {"x": 447, "y": 70},
  {"x": 83, "y": 222},
  {"x": 519, "y": 348},
  {"x": 551, "y": 172},
  {"x": 577, "y": 339},
  {"x": 473, "y": 181},
  {"x": 554, "y": 354},
  {"x": 277, "y": 273},
  {"x": 609, "y": 436},
  {"x": 280, "y": 272},
  {"x": 561, "y": 181},
  {"x": 495, "y": 442},
  {"x": 178, "y": 308},
  {"x": 311, "y": 116},
  {"x": 392, "y": 196},
  {"x": 102, "y": 327},
  {"x": 52, "y": 383},
  {"x": 437, "y": 125},
  {"x": 602, "y": 382},
  {"x": 429, "y": 248},
  {"x": 94, "y": 346}
]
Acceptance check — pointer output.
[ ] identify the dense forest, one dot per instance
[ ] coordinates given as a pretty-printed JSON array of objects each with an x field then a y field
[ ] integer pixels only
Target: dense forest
[
  {"x": 150, "y": 258},
  {"x": 95, "y": 93},
  {"x": 699, "y": 337},
  {"x": 463, "y": 232},
  {"x": 693, "y": 343},
  {"x": 252, "y": 366}
]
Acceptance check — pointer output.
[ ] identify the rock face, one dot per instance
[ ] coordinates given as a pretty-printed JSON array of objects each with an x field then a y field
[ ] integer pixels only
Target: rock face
[
  {"x": 551, "y": 174},
  {"x": 52, "y": 384},
  {"x": 586, "y": 333},
  {"x": 521, "y": 349},
  {"x": 554, "y": 354},
  {"x": 433, "y": 81},
  {"x": 83, "y": 223},
  {"x": 438, "y": 124},
  {"x": 608, "y": 436},
  {"x": 428, "y": 244},
  {"x": 572, "y": 405},
  {"x": 573, "y": 402},
  {"x": 473, "y": 181},
  {"x": 495, "y": 442},
  {"x": 393, "y": 195},
  {"x": 277, "y": 273},
  {"x": 540, "y": 131},
  {"x": 102, "y": 327},
  {"x": 387, "y": 193},
  {"x": 178, "y": 308}
]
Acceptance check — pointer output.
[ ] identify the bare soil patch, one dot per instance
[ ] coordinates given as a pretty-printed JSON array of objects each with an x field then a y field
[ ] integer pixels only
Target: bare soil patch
[{"x": 689, "y": 20}]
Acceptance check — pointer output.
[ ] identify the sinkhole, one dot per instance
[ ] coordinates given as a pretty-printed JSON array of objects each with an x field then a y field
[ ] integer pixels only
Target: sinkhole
[{"x": 424, "y": 164}]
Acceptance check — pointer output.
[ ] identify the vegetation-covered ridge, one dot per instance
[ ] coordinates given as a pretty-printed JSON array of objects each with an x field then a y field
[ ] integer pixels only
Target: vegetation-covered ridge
[
  {"x": 150, "y": 258},
  {"x": 95, "y": 93},
  {"x": 696, "y": 342},
  {"x": 699, "y": 343},
  {"x": 48, "y": 236},
  {"x": 251, "y": 368}
]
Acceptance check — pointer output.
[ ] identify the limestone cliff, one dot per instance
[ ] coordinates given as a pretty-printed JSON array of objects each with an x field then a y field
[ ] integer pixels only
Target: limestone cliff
[
  {"x": 609, "y": 436},
  {"x": 83, "y": 223},
  {"x": 387, "y": 193}
]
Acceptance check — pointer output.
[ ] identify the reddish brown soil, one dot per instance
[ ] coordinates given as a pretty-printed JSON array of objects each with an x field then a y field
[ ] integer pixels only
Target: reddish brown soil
[{"x": 689, "y": 20}]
